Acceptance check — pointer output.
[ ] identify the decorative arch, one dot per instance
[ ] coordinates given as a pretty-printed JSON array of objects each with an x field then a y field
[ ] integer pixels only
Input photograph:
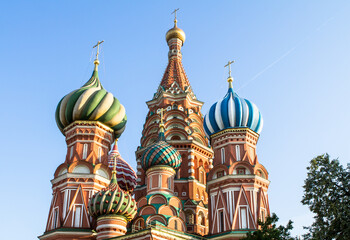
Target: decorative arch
[
  {"x": 157, "y": 199},
  {"x": 85, "y": 167},
  {"x": 213, "y": 174},
  {"x": 176, "y": 223},
  {"x": 175, "y": 202},
  {"x": 101, "y": 170},
  {"x": 260, "y": 167},
  {"x": 241, "y": 164},
  {"x": 148, "y": 210},
  {"x": 142, "y": 202},
  {"x": 158, "y": 218},
  {"x": 62, "y": 169},
  {"x": 201, "y": 174},
  {"x": 138, "y": 224},
  {"x": 167, "y": 210},
  {"x": 201, "y": 218},
  {"x": 190, "y": 216}
]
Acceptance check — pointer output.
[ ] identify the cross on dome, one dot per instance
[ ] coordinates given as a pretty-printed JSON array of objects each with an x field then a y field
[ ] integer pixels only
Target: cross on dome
[
  {"x": 97, "y": 62},
  {"x": 174, "y": 12}
]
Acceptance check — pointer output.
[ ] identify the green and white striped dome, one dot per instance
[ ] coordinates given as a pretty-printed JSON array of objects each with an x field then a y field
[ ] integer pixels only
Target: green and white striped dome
[{"x": 91, "y": 103}]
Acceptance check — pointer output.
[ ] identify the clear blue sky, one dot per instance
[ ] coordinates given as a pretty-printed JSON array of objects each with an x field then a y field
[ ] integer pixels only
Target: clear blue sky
[{"x": 292, "y": 61}]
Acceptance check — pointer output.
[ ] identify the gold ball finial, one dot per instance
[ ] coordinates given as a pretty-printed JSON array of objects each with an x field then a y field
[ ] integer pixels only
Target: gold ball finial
[{"x": 175, "y": 32}]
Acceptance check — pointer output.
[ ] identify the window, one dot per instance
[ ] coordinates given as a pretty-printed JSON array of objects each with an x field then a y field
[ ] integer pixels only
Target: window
[
  {"x": 175, "y": 225},
  {"x": 241, "y": 171},
  {"x": 85, "y": 149},
  {"x": 160, "y": 181},
  {"x": 262, "y": 215},
  {"x": 244, "y": 224},
  {"x": 175, "y": 137},
  {"x": 150, "y": 182},
  {"x": 220, "y": 173},
  {"x": 222, "y": 155},
  {"x": 71, "y": 152},
  {"x": 238, "y": 153},
  {"x": 77, "y": 216},
  {"x": 99, "y": 154},
  {"x": 169, "y": 183},
  {"x": 201, "y": 177},
  {"x": 55, "y": 218},
  {"x": 184, "y": 194},
  {"x": 221, "y": 221}
]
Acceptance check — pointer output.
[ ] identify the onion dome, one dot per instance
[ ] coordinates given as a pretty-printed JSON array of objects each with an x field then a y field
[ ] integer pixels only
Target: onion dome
[
  {"x": 161, "y": 153},
  {"x": 175, "y": 32},
  {"x": 112, "y": 200},
  {"x": 126, "y": 176},
  {"x": 91, "y": 102},
  {"x": 232, "y": 112}
]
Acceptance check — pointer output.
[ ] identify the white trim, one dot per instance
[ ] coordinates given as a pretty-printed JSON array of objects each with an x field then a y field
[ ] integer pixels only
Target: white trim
[
  {"x": 191, "y": 164},
  {"x": 88, "y": 141}
]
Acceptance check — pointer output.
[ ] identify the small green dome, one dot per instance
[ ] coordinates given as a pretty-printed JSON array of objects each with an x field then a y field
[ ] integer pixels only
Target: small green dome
[
  {"x": 112, "y": 200},
  {"x": 161, "y": 153},
  {"x": 91, "y": 103}
]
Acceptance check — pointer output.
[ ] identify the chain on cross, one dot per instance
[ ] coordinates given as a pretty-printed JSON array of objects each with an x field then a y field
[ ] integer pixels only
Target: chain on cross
[
  {"x": 98, "y": 48},
  {"x": 229, "y": 67},
  {"x": 174, "y": 12}
]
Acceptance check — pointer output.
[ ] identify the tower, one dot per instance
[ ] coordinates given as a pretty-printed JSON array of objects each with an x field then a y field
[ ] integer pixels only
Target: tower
[
  {"x": 113, "y": 208},
  {"x": 237, "y": 184},
  {"x": 183, "y": 129},
  {"x": 90, "y": 118}
]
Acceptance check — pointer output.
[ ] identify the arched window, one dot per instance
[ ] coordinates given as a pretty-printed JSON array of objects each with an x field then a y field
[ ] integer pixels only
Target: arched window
[
  {"x": 175, "y": 137},
  {"x": 201, "y": 176},
  {"x": 175, "y": 225},
  {"x": 71, "y": 152},
  {"x": 238, "y": 153},
  {"x": 160, "y": 181},
  {"x": 99, "y": 154},
  {"x": 169, "y": 183},
  {"x": 85, "y": 149},
  {"x": 189, "y": 217},
  {"x": 223, "y": 155}
]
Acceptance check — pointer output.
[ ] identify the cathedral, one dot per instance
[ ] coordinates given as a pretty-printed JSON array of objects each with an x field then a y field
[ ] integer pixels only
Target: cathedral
[{"x": 197, "y": 177}]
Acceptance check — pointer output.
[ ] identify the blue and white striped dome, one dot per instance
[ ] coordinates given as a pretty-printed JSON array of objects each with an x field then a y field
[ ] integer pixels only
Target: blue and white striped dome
[{"x": 232, "y": 112}]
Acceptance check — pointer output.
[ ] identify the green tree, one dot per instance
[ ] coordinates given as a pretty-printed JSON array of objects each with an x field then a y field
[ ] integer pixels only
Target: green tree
[
  {"x": 269, "y": 231},
  {"x": 327, "y": 193}
]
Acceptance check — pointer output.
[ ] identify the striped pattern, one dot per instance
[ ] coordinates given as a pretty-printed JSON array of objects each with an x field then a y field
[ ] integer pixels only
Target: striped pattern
[
  {"x": 161, "y": 153},
  {"x": 91, "y": 103},
  {"x": 232, "y": 112},
  {"x": 112, "y": 200},
  {"x": 126, "y": 176}
]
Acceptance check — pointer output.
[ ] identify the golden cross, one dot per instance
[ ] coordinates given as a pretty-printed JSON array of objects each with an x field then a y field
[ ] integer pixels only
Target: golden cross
[
  {"x": 98, "y": 48},
  {"x": 174, "y": 12},
  {"x": 229, "y": 67},
  {"x": 161, "y": 115}
]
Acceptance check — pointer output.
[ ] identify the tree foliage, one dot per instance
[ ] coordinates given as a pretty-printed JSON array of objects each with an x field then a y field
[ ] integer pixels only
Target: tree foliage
[
  {"x": 327, "y": 193},
  {"x": 269, "y": 231}
]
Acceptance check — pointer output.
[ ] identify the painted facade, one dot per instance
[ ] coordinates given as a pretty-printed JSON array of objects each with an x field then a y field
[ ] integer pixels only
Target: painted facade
[{"x": 197, "y": 177}]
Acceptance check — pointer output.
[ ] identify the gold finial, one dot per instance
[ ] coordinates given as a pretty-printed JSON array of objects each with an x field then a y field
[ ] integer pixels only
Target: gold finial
[
  {"x": 229, "y": 79},
  {"x": 97, "y": 62},
  {"x": 161, "y": 125},
  {"x": 174, "y": 12}
]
